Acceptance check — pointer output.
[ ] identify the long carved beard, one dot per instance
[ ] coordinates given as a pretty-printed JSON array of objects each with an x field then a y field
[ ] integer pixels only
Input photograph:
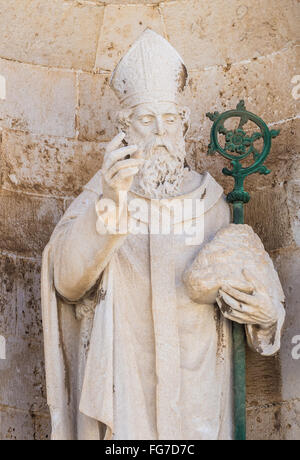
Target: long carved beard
[{"x": 162, "y": 173}]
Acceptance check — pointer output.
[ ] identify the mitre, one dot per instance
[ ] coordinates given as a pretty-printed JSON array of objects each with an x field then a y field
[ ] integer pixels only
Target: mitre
[{"x": 151, "y": 70}]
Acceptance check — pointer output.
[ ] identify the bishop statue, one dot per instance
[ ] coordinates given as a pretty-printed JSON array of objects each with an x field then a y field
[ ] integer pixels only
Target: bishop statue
[{"x": 137, "y": 315}]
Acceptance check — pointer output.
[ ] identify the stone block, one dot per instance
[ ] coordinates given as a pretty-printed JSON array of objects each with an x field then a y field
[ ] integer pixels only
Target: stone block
[
  {"x": 290, "y": 419},
  {"x": 22, "y": 376},
  {"x": 42, "y": 428},
  {"x": 16, "y": 425},
  {"x": 283, "y": 160},
  {"x": 275, "y": 422},
  {"x": 263, "y": 379},
  {"x": 38, "y": 100},
  {"x": 97, "y": 110},
  {"x": 122, "y": 25},
  {"x": 43, "y": 164},
  {"x": 268, "y": 214},
  {"x": 265, "y": 424},
  {"x": 214, "y": 33},
  {"x": 293, "y": 194},
  {"x": 8, "y": 296},
  {"x": 20, "y": 290},
  {"x": 26, "y": 222},
  {"x": 56, "y": 33}
]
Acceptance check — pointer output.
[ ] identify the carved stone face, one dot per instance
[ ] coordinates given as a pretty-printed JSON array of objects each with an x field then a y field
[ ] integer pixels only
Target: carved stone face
[
  {"x": 157, "y": 128},
  {"x": 159, "y": 119}
]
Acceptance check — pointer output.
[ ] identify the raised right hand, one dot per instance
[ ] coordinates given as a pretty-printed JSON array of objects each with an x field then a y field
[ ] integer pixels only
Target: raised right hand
[{"x": 119, "y": 171}]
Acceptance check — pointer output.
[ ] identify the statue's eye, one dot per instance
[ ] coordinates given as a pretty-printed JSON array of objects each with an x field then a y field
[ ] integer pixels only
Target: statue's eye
[
  {"x": 146, "y": 120},
  {"x": 170, "y": 119}
]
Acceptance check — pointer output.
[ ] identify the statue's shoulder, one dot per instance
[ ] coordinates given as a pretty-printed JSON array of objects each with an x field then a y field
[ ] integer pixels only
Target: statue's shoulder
[
  {"x": 89, "y": 194},
  {"x": 206, "y": 188},
  {"x": 197, "y": 184},
  {"x": 95, "y": 184}
]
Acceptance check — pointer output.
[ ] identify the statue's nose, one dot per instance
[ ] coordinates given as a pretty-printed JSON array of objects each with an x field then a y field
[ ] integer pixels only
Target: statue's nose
[{"x": 160, "y": 129}]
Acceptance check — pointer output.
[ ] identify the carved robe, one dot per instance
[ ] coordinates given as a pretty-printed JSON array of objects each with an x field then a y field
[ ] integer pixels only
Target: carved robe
[{"x": 134, "y": 357}]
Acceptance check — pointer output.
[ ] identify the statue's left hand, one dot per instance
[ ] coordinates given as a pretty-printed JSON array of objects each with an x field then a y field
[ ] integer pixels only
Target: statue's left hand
[{"x": 252, "y": 309}]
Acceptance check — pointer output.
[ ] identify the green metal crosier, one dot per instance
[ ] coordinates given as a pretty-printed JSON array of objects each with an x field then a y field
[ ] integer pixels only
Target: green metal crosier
[{"x": 239, "y": 146}]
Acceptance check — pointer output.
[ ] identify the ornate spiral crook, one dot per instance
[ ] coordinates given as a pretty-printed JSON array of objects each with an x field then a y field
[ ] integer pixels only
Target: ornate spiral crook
[{"x": 239, "y": 146}]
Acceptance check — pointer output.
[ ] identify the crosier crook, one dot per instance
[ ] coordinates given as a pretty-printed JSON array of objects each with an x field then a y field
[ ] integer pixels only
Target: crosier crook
[{"x": 238, "y": 146}]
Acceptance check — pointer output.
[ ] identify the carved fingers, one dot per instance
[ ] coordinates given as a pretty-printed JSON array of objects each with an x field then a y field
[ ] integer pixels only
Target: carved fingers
[
  {"x": 111, "y": 158},
  {"x": 121, "y": 164},
  {"x": 234, "y": 310},
  {"x": 115, "y": 142},
  {"x": 248, "y": 308}
]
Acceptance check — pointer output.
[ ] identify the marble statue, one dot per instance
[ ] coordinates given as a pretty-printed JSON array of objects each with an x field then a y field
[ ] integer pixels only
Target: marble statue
[{"x": 137, "y": 325}]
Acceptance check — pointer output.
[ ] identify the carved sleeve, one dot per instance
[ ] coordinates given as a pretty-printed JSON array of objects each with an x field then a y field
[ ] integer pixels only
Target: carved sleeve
[{"x": 80, "y": 252}]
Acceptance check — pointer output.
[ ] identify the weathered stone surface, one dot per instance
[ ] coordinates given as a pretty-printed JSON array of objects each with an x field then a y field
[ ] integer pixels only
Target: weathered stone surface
[
  {"x": 56, "y": 33},
  {"x": 26, "y": 222},
  {"x": 263, "y": 379},
  {"x": 38, "y": 100},
  {"x": 275, "y": 422},
  {"x": 265, "y": 424},
  {"x": 42, "y": 428},
  {"x": 268, "y": 214},
  {"x": 279, "y": 206},
  {"x": 18, "y": 425},
  {"x": 199, "y": 161},
  {"x": 22, "y": 376},
  {"x": 284, "y": 157},
  {"x": 129, "y": 2},
  {"x": 122, "y": 24},
  {"x": 290, "y": 420},
  {"x": 20, "y": 289},
  {"x": 47, "y": 164},
  {"x": 8, "y": 296},
  {"x": 217, "y": 33},
  {"x": 288, "y": 266},
  {"x": 98, "y": 105},
  {"x": 264, "y": 84},
  {"x": 293, "y": 193}
]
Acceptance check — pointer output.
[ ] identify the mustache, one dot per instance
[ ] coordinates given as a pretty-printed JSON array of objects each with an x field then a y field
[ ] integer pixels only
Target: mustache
[{"x": 159, "y": 142}]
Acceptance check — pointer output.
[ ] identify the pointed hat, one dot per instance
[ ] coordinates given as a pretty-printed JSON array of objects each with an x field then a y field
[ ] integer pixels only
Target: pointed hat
[{"x": 151, "y": 70}]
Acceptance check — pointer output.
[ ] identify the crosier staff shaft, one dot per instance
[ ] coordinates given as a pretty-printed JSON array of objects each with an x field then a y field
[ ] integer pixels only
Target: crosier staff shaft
[{"x": 239, "y": 356}]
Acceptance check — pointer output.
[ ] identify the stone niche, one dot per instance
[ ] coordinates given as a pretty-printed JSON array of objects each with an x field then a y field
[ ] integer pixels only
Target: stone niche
[{"x": 55, "y": 119}]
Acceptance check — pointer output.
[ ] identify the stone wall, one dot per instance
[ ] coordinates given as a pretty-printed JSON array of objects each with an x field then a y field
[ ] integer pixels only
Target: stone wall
[{"x": 55, "y": 118}]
